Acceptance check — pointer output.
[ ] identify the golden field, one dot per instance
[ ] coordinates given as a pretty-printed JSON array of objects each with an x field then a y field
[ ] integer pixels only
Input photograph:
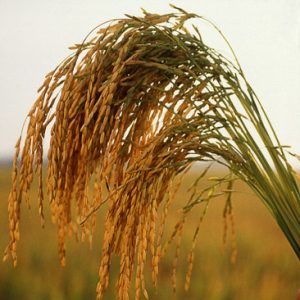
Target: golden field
[{"x": 265, "y": 268}]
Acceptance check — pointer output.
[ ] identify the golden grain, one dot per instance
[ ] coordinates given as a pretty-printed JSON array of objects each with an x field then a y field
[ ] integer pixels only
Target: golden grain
[{"x": 130, "y": 110}]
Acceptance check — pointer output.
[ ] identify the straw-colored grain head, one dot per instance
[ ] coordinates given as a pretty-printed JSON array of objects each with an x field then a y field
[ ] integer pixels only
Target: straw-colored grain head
[{"x": 130, "y": 110}]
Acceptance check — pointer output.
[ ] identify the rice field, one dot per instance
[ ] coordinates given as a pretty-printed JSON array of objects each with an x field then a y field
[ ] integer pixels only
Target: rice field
[{"x": 266, "y": 266}]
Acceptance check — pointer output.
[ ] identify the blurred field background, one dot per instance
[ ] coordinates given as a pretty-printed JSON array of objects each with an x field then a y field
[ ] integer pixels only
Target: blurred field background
[{"x": 266, "y": 267}]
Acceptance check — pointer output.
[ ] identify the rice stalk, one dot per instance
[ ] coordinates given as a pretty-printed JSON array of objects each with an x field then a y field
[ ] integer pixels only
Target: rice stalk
[{"x": 130, "y": 110}]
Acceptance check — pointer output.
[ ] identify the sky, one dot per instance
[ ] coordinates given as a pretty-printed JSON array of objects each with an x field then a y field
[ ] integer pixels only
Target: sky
[{"x": 265, "y": 34}]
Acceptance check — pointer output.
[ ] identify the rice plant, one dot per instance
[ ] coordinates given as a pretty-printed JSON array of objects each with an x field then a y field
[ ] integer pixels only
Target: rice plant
[{"x": 131, "y": 109}]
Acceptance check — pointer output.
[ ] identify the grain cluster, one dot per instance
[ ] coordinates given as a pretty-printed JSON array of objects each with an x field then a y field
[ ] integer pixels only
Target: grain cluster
[{"x": 129, "y": 111}]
